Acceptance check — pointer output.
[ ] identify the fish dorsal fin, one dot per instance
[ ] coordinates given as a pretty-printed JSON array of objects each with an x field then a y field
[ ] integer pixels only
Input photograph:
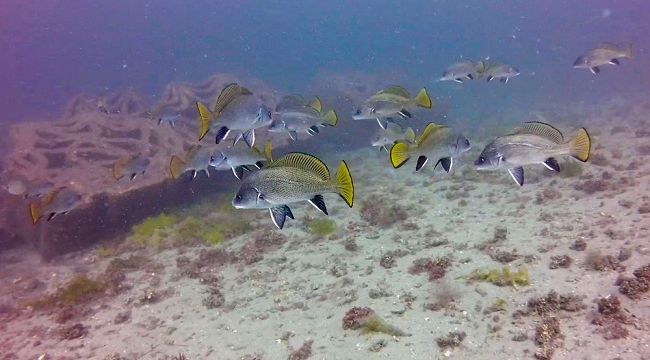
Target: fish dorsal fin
[
  {"x": 316, "y": 104},
  {"x": 305, "y": 162},
  {"x": 541, "y": 129},
  {"x": 229, "y": 93},
  {"x": 409, "y": 135},
  {"x": 192, "y": 152},
  {"x": 395, "y": 90},
  {"x": 290, "y": 102},
  {"x": 428, "y": 130},
  {"x": 609, "y": 46},
  {"x": 49, "y": 197}
]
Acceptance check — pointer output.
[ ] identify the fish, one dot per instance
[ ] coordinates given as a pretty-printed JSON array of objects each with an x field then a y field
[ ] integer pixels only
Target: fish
[
  {"x": 502, "y": 72},
  {"x": 169, "y": 119},
  {"x": 392, "y": 133},
  {"x": 394, "y": 101},
  {"x": 197, "y": 159},
  {"x": 131, "y": 165},
  {"x": 59, "y": 201},
  {"x": 533, "y": 143},
  {"x": 28, "y": 189},
  {"x": 238, "y": 159},
  {"x": 296, "y": 177},
  {"x": 467, "y": 69},
  {"x": 605, "y": 53},
  {"x": 293, "y": 115},
  {"x": 436, "y": 141},
  {"x": 236, "y": 109}
]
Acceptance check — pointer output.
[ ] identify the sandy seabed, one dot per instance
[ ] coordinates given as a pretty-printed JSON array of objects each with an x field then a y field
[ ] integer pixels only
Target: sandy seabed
[{"x": 283, "y": 295}]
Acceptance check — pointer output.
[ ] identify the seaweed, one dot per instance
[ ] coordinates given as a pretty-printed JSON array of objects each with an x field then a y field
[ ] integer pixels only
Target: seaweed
[
  {"x": 321, "y": 227},
  {"x": 366, "y": 320},
  {"x": 152, "y": 230},
  {"x": 498, "y": 305},
  {"x": 503, "y": 277},
  {"x": 78, "y": 290}
]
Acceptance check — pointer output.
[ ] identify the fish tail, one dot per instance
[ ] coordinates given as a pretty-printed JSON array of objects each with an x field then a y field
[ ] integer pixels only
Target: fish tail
[
  {"x": 35, "y": 212},
  {"x": 176, "y": 167},
  {"x": 628, "y": 51},
  {"x": 580, "y": 145},
  {"x": 118, "y": 172},
  {"x": 205, "y": 118},
  {"x": 344, "y": 183},
  {"x": 422, "y": 99},
  {"x": 316, "y": 104},
  {"x": 330, "y": 118},
  {"x": 399, "y": 154}
]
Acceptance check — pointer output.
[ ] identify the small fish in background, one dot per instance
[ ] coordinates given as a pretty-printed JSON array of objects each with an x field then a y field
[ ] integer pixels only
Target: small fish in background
[
  {"x": 437, "y": 142},
  {"x": 394, "y": 101},
  {"x": 131, "y": 165},
  {"x": 58, "y": 201},
  {"x": 392, "y": 133},
  {"x": 169, "y": 119},
  {"x": 28, "y": 189},
  {"x": 502, "y": 72},
  {"x": 238, "y": 158},
  {"x": 296, "y": 177},
  {"x": 103, "y": 107},
  {"x": 294, "y": 115},
  {"x": 532, "y": 143},
  {"x": 236, "y": 109},
  {"x": 605, "y": 53},
  {"x": 465, "y": 70},
  {"x": 197, "y": 159}
]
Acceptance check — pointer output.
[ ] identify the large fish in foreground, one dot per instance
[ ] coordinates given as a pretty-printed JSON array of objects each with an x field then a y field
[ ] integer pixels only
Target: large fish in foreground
[
  {"x": 293, "y": 115},
  {"x": 605, "y": 53},
  {"x": 293, "y": 178},
  {"x": 238, "y": 158},
  {"x": 392, "y": 133},
  {"x": 465, "y": 70},
  {"x": 236, "y": 109},
  {"x": 58, "y": 201},
  {"x": 394, "y": 101},
  {"x": 131, "y": 165},
  {"x": 437, "y": 142},
  {"x": 532, "y": 143},
  {"x": 197, "y": 159}
]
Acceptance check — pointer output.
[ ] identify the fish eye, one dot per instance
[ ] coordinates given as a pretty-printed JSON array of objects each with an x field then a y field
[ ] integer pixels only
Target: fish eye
[
  {"x": 481, "y": 159},
  {"x": 372, "y": 111},
  {"x": 238, "y": 197},
  {"x": 357, "y": 112}
]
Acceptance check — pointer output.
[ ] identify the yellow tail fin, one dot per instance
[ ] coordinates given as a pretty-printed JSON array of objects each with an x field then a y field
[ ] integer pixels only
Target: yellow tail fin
[
  {"x": 117, "y": 171},
  {"x": 205, "y": 117},
  {"x": 581, "y": 145},
  {"x": 399, "y": 154},
  {"x": 268, "y": 151},
  {"x": 409, "y": 135},
  {"x": 315, "y": 103},
  {"x": 35, "y": 212},
  {"x": 345, "y": 184},
  {"x": 422, "y": 99},
  {"x": 330, "y": 118},
  {"x": 176, "y": 167}
]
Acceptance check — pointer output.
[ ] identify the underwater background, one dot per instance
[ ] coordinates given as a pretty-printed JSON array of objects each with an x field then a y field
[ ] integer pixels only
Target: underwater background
[{"x": 425, "y": 265}]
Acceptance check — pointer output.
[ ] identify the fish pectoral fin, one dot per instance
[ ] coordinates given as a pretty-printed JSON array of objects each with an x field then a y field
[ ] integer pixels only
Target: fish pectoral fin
[
  {"x": 319, "y": 203},
  {"x": 133, "y": 175},
  {"x": 293, "y": 135},
  {"x": 259, "y": 165},
  {"x": 405, "y": 114},
  {"x": 552, "y": 164},
  {"x": 51, "y": 216},
  {"x": 459, "y": 80},
  {"x": 279, "y": 214},
  {"x": 470, "y": 76},
  {"x": 517, "y": 175},
  {"x": 422, "y": 160},
  {"x": 489, "y": 78},
  {"x": 249, "y": 137},
  {"x": 313, "y": 130},
  {"x": 594, "y": 70},
  {"x": 238, "y": 171},
  {"x": 222, "y": 134},
  {"x": 446, "y": 163},
  {"x": 615, "y": 62}
]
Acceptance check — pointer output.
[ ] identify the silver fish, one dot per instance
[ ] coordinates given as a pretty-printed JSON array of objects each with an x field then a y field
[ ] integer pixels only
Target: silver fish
[
  {"x": 58, "y": 201},
  {"x": 169, "y": 119},
  {"x": 532, "y": 143},
  {"x": 502, "y": 72},
  {"x": 293, "y": 115},
  {"x": 293, "y": 178},
  {"x": 236, "y": 109},
  {"x": 197, "y": 159},
  {"x": 392, "y": 102},
  {"x": 239, "y": 158},
  {"x": 461, "y": 71},
  {"x": 28, "y": 189},
  {"x": 131, "y": 165},
  {"x": 392, "y": 133},
  {"x": 605, "y": 53}
]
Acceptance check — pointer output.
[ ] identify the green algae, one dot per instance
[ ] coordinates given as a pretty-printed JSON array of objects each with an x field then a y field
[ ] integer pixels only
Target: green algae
[
  {"x": 321, "y": 227},
  {"x": 503, "y": 277},
  {"x": 76, "y": 291},
  {"x": 375, "y": 324},
  {"x": 152, "y": 230}
]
